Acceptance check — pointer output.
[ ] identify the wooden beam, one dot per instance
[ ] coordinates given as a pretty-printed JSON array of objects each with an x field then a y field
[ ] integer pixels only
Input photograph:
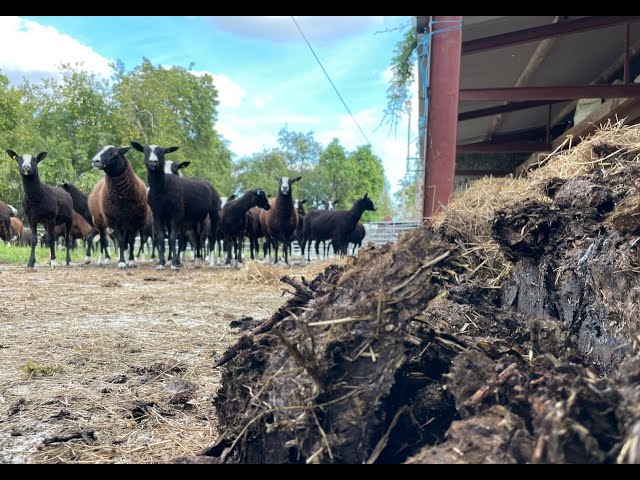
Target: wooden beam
[
  {"x": 606, "y": 76},
  {"x": 549, "y": 93},
  {"x": 617, "y": 109},
  {"x": 483, "y": 173},
  {"x": 539, "y": 55},
  {"x": 535, "y": 34},
  {"x": 509, "y": 107},
  {"x": 492, "y": 147}
]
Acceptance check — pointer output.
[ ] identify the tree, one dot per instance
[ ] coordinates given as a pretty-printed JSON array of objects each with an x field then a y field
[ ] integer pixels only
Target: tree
[
  {"x": 173, "y": 107},
  {"x": 335, "y": 178},
  {"x": 406, "y": 198},
  {"x": 301, "y": 150},
  {"x": 259, "y": 170},
  {"x": 402, "y": 76},
  {"x": 10, "y": 114},
  {"x": 368, "y": 177}
]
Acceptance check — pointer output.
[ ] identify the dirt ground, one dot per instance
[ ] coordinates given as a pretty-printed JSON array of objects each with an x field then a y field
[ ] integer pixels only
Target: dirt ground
[{"x": 103, "y": 366}]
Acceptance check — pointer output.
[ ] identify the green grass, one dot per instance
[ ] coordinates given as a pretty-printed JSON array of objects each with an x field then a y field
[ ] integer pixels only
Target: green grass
[
  {"x": 20, "y": 255},
  {"x": 32, "y": 369}
]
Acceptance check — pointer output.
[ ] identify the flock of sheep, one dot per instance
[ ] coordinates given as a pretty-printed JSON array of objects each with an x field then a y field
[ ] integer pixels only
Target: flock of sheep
[{"x": 184, "y": 209}]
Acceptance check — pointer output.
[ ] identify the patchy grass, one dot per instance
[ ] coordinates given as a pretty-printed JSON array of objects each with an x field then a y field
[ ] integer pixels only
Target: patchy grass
[
  {"x": 11, "y": 254},
  {"x": 33, "y": 369}
]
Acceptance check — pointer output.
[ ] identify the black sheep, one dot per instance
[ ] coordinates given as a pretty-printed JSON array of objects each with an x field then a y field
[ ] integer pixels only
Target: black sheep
[
  {"x": 233, "y": 221},
  {"x": 176, "y": 201},
  {"x": 334, "y": 225},
  {"x": 43, "y": 204}
]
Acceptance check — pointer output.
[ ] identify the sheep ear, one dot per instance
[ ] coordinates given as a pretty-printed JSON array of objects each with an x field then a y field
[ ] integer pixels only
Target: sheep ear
[
  {"x": 137, "y": 146},
  {"x": 366, "y": 195},
  {"x": 13, "y": 155},
  {"x": 184, "y": 165},
  {"x": 295, "y": 179},
  {"x": 123, "y": 150},
  {"x": 170, "y": 149},
  {"x": 41, "y": 156},
  {"x": 303, "y": 201}
]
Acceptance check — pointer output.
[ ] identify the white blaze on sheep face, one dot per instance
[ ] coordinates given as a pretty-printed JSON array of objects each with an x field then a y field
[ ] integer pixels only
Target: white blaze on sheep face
[
  {"x": 26, "y": 164},
  {"x": 285, "y": 187},
  {"x": 167, "y": 167},
  {"x": 153, "y": 157},
  {"x": 97, "y": 160}
]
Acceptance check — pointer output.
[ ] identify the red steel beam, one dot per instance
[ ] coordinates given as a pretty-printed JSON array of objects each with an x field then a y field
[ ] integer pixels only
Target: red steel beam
[
  {"x": 483, "y": 173},
  {"x": 489, "y": 147},
  {"x": 442, "y": 122},
  {"x": 509, "y": 107},
  {"x": 516, "y": 94},
  {"x": 535, "y": 34}
]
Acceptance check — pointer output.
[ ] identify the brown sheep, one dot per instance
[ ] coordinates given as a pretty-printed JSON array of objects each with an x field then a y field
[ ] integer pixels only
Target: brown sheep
[
  {"x": 120, "y": 203},
  {"x": 17, "y": 229},
  {"x": 280, "y": 222}
]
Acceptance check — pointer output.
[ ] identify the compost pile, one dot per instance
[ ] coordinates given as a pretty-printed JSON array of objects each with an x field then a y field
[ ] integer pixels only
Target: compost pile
[{"x": 507, "y": 332}]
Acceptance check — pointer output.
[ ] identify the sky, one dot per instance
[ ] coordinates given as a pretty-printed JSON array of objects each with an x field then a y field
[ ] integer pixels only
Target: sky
[{"x": 266, "y": 75}]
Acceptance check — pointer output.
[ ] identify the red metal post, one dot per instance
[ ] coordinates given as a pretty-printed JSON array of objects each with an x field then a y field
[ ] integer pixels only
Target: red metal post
[{"x": 442, "y": 122}]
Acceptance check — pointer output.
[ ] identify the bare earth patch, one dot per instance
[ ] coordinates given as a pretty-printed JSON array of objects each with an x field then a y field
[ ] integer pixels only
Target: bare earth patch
[{"x": 103, "y": 366}]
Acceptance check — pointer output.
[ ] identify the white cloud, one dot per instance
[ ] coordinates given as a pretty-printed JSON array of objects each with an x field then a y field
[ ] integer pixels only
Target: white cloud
[
  {"x": 29, "y": 47},
  {"x": 261, "y": 102},
  {"x": 230, "y": 93},
  {"x": 282, "y": 28}
]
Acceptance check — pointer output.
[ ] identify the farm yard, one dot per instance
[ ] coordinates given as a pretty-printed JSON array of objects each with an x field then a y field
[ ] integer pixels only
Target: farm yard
[
  {"x": 99, "y": 365},
  {"x": 464, "y": 292}
]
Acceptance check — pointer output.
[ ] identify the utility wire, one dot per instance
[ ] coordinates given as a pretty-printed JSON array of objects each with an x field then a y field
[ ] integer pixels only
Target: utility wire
[{"x": 332, "y": 84}]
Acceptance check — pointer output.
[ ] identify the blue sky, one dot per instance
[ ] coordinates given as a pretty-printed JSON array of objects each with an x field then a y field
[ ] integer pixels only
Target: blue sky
[{"x": 265, "y": 73}]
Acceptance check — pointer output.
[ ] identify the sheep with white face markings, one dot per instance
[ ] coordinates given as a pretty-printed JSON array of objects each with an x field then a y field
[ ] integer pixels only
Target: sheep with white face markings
[
  {"x": 176, "y": 201},
  {"x": 118, "y": 201},
  {"x": 43, "y": 204},
  {"x": 280, "y": 222}
]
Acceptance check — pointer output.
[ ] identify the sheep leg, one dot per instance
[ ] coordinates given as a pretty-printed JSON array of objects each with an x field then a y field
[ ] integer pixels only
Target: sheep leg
[
  {"x": 104, "y": 248},
  {"x": 286, "y": 246},
  {"x": 173, "y": 240},
  {"x": 67, "y": 241},
  {"x": 52, "y": 244},
  {"x": 132, "y": 245},
  {"x": 266, "y": 249},
  {"x": 274, "y": 241},
  {"x": 240, "y": 248},
  {"x": 228, "y": 245},
  {"x": 214, "y": 217},
  {"x": 122, "y": 246},
  {"x": 159, "y": 242},
  {"x": 34, "y": 242},
  {"x": 89, "y": 240},
  {"x": 234, "y": 240}
]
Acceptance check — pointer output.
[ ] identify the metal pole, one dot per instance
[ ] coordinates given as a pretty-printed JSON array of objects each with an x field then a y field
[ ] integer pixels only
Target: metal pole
[{"x": 442, "y": 120}]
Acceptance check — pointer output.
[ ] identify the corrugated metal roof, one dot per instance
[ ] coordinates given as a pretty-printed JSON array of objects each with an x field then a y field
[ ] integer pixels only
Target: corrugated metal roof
[{"x": 572, "y": 60}]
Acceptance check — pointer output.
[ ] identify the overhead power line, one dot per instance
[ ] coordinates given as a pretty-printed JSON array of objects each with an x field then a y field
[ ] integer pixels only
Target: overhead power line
[{"x": 332, "y": 84}]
